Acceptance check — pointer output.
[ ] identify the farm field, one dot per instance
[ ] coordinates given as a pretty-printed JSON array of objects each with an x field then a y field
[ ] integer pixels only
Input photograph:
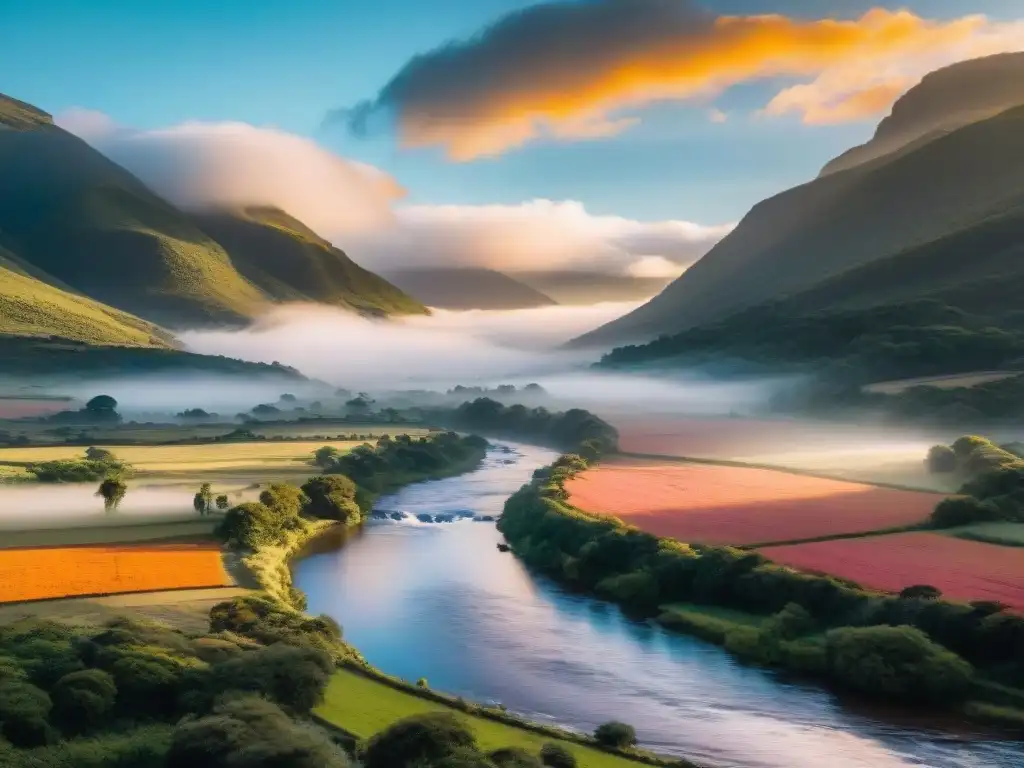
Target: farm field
[
  {"x": 53, "y": 572},
  {"x": 363, "y": 707},
  {"x": 191, "y": 460},
  {"x": 116, "y": 532},
  {"x": 1007, "y": 534},
  {"x": 715, "y": 504},
  {"x": 956, "y": 381},
  {"x": 963, "y": 570}
]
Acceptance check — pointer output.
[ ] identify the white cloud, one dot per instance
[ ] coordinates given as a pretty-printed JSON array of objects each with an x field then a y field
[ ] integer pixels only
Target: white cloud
[
  {"x": 199, "y": 165},
  {"x": 536, "y": 235}
]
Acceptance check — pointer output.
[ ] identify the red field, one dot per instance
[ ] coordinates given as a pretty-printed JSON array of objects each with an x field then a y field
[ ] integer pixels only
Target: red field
[
  {"x": 963, "y": 570},
  {"x": 19, "y": 408},
  {"x": 736, "y": 505},
  {"x": 41, "y": 573}
]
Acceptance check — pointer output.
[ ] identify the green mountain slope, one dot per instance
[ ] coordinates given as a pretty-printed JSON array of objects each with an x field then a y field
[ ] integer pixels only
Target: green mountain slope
[
  {"x": 289, "y": 262},
  {"x": 468, "y": 288},
  {"x": 88, "y": 223},
  {"x": 801, "y": 237},
  {"x": 575, "y": 287}
]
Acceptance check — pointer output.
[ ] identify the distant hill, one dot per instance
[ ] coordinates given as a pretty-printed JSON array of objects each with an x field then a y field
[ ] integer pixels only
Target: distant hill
[
  {"x": 468, "y": 288},
  {"x": 945, "y": 100},
  {"x": 289, "y": 262},
  {"x": 841, "y": 221},
  {"x": 568, "y": 287},
  {"x": 78, "y": 221}
]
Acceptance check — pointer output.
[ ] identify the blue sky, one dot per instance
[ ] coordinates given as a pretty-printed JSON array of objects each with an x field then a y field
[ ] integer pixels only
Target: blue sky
[{"x": 269, "y": 62}]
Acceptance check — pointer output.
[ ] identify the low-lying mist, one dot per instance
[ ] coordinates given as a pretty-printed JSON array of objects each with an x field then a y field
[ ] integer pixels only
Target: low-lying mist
[{"x": 472, "y": 348}]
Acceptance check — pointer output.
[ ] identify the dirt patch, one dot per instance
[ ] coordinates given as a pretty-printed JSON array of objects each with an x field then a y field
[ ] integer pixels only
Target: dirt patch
[{"x": 736, "y": 505}]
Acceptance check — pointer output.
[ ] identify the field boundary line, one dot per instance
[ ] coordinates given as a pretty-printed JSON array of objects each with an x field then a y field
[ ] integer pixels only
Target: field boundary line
[
  {"x": 98, "y": 595},
  {"x": 781, "y": 469},
  {"x": 919, "y": 528}
]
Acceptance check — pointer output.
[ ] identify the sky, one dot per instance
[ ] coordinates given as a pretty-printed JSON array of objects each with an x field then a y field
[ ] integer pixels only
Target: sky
[{"x": 630, "y": 110}]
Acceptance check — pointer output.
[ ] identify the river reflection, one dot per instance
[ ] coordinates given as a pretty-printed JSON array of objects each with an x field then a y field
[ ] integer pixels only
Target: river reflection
[{"x": 439, "y": 601}]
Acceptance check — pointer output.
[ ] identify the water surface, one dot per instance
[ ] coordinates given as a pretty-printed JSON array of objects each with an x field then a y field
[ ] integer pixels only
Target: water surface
[{"x": 439, "y": 601}]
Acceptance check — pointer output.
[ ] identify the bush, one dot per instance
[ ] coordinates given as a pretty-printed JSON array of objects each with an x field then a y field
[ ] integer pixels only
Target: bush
[
  {"x": 250, "y": 732},
  {"x": 423, "y": 738},
  {"x": 921, "y": 592},
  {"x": 284, "y": 499},
  {"x": 556, "y": 756},
  {"x": 616, "y": 735},
  {"x": 251, "y": 525},
  {"x": 963, "y": 510},
  {"x": 898, "y": 663},
  {"x": 293, "y": 677},
  {"x": 113, "y": 491},
  {"x": 83, "y": 699},
  {"x": 332, "y": 497},
  {"x": 100, "y": 454},
  {"x": 941, "y": 460},
  {"x": 514, "y": 757},
  {"x": 24, "y": 709}
]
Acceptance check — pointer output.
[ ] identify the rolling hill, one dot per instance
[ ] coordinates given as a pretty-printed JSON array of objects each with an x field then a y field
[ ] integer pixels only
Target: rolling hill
[
  {"x": 841, "y": 221},
  {"x": 287, "y": 261},
  {"x": 572, "y": 287},
  {"x": 468, "y": 288},
  {"x": 81, "y": 223}
]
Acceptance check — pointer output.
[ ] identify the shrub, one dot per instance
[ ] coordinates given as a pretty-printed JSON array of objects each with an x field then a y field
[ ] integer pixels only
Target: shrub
[
  {"x": 615, "y": 734},
  {"x": 292, "y": 676},
  {"x": 556, "y": 756},
  {"x": 24, "y": 709},
  {"x": 222, "y": 502},
  {"x": 284, "y": 499},
  {"x": 83, "y": 699},
  {"x": 963, "y": 510},
  {"x": 921, "y": 592},
  {"x": 100, "y": 454},
  {"x": 332, "y": 497},
  {"x": 514, "y": 757},
  {"x": 897, "y": 662},
  {"x": 422, "y": 738},
  {"x": 251, "y": 525},
  {"x": 113, "y": 490},
  {"x": 324, "y": 457},
  {"x": 254, "y": 733},
  {"x": 789, "y": 623}
]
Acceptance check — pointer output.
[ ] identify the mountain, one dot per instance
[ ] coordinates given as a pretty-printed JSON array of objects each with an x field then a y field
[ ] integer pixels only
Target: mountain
[
  {"x": 841, "y": 221},
  {"x": 287, "y": 261},
  {"x": 569, "y": 287},
  {"x": 468, "y": 288},
  {"x": 946, "y": 99},
  {"x": 81, "y": 223}
]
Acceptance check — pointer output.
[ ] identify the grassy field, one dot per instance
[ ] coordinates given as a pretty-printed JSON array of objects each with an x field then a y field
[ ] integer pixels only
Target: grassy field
[
  {"x": 954, "y": 381},
  {"x": 1007, "y": 534},
  {"x": 363, "y": 707},
  {"x": 275, "y": 458}
]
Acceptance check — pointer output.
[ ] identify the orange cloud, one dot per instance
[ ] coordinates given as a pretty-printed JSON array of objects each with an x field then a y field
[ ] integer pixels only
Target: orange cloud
[{"x": 563, "y": 70}]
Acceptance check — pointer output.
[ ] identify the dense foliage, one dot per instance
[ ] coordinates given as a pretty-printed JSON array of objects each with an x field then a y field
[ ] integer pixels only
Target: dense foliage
[
  {"x": 642, "y": 573},
  {"x": 994, "y": 487},
  {"x": 575, "y": 430},
  {"x": 97, "y": 464}
]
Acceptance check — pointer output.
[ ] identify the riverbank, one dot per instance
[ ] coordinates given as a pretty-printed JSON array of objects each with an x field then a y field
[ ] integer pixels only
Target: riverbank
[
  {"x": 383, "y": 699},
  {"x": 765, "y": 613}
]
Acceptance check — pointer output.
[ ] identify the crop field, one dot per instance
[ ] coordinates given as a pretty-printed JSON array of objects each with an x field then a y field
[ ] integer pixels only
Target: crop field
[
  {"x": 963, "y": 570},
  {"x": 193, "y": 460},
  {"x": 363, "y": 707},
  {"x": 54, "y": 572},
  {"x": 713, "y": 504}
]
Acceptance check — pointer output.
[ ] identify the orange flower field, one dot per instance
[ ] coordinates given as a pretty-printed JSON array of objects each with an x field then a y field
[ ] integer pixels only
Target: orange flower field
[
  {"x": 42, "y": 573},
  {"x": 963, "y": 570},
  {"x": 737, "y": 505}
]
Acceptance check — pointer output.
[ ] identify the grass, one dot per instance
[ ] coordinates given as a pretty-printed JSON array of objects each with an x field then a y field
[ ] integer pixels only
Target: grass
[
  {"x": 363, "y": 707},
  {"x": 1005, "y": 534},
  {"x": 269, "y": 458},
  {"x": 707, "y": 622}
]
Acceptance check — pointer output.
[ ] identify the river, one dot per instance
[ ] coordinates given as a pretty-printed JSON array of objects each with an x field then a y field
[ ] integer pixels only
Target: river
[{"x": 440, "y": 601}]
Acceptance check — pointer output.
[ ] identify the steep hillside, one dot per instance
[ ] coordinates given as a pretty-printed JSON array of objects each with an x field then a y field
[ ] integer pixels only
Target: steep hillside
[
  {"x": 570, "y": 287},
  {"x": 841, "y": 221},
  {"x": 944, "y": 100},
  {"x": 289, "y": 262},
  {"x": 468, "y": 289},
  {"x": 86, "y": 222}
]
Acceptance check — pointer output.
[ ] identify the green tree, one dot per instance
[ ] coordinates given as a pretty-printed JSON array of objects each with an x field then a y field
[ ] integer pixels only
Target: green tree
[
  {"x": 332, "y": 497},
  {"x": 99, "y": 454},
  {"x": 514, "y": 757},
  {"x": 284, "y": 499},
  {"x": 222, "y": 502},
  {"x": 324, "y": 457},
  {"x": 615, "y": 734},
  {"x": 424, "y": 738},
  {"x": 83, "y": 699},
  {"x": 113, "y": 490},
  {"x": 556, "y": 756},
  {"x": 203, "y": 502},
  {"x": 294, "y": 677}
]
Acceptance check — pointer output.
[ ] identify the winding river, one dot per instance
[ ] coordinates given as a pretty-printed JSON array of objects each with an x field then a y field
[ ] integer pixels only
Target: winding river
[{"x": 440, "y": 601}]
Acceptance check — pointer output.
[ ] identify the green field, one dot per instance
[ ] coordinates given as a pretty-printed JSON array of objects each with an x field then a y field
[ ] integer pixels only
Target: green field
[
  {"x": 1007, "y": 534},
  {"x": 363, "y": 707}
]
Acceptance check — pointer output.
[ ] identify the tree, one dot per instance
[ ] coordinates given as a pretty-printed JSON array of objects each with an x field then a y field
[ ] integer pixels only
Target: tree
[
  {"x": 941, "y": 460},
  {"x": 897, "y": 663},
  {"x": 222, "y": 502},
  {"x": 287, "y": 398},
  {"x": 203, "y": 502},
  {"x": 514, "y": 757},
  {"x": 324, "y": 457},
  {"x": 615, "y": 734},
  {"x": 556, "y": 756},
  {"x": 419, "y": 739},
  {"x": 24, "y": 709},
  {"x": 921, "y": 592},
  {"x": 294, "y": 677},
  {"x": 113, "y": 490},
  {"x": 99, "y": 454},
  {"x": 332, "y": 497},
  {"x": 83, "y": 699},
  {"x": 101, "y": 404},
  {"x": 266, "y": 410},
  {"x": 284, "y": 499},
  {"x": 251, "y": 525}
]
